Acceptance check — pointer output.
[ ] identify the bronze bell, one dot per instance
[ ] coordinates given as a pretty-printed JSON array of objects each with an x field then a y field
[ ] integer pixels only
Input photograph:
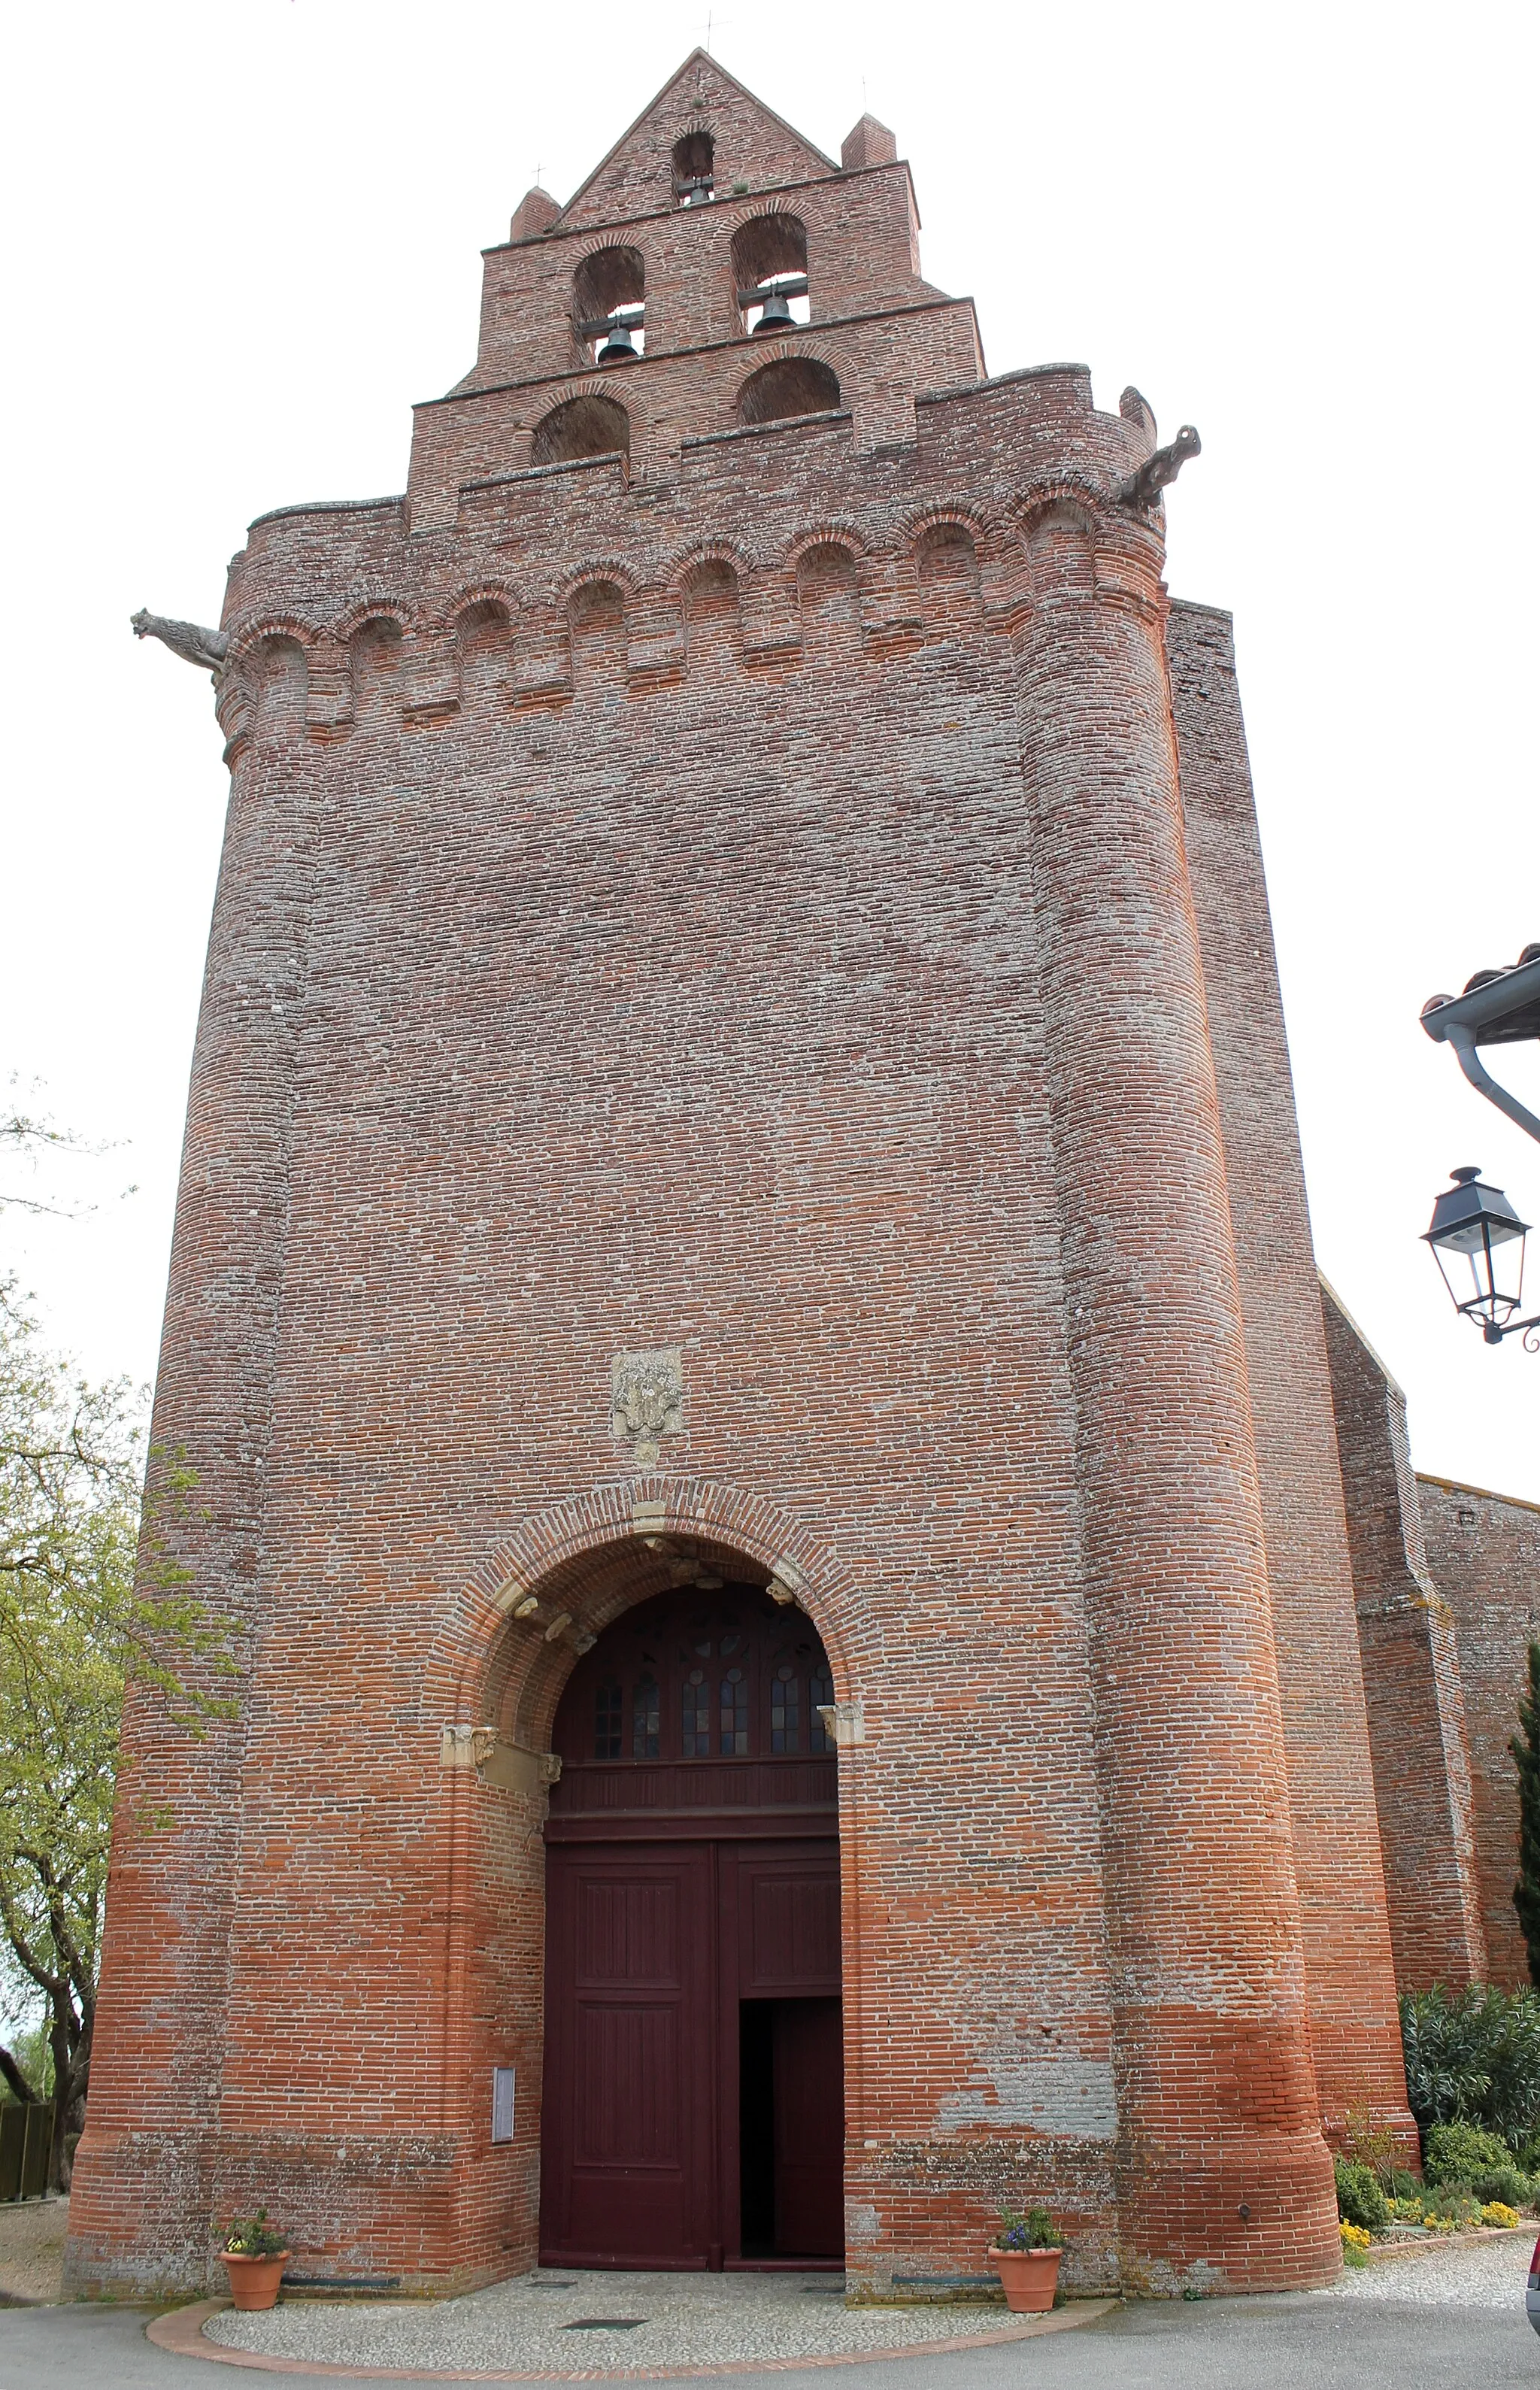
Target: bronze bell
[
  {"x": 618, "y": 346},
  {"x": 778, "y": 314}
]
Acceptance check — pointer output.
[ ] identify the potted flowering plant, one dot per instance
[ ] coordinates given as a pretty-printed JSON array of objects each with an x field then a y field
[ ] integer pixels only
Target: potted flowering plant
[
  {"x": 255, "y": 2256},
  {"x": 1025, "y": 2254}
]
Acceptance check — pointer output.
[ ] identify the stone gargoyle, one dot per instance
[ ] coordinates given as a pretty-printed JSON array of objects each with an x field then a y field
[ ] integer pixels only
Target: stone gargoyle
[
  {"x": 188, "y": 640},
  {"x": 1143, "y": 488}
]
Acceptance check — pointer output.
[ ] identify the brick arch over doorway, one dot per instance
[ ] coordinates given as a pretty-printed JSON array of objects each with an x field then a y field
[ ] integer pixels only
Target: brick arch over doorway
[
  {"x": 530, "y": 1620},
  {"x": 485, "y": 1652}
]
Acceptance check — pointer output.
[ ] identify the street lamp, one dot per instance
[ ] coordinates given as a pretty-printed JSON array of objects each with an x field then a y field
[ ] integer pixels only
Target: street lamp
[{"x": 1475, "y": 1231}]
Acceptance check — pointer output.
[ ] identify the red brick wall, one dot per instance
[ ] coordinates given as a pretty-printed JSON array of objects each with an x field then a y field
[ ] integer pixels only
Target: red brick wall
[
  {"x": 158, "y": 2052},
  {"x": 752, "y": 145},
  {"x": 860, "y": 231},
  {"x": 1355, "y": 2032},
  {"x": 1483, "y": 1551},
  {"x": 740, "y": 907},
  {"x": 1406, "y": 1633}
]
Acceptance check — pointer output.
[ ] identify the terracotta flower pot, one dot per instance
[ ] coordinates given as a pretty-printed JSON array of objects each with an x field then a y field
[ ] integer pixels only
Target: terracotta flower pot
[
  {"x": 1030, "y": 2276},
  {"x": 254, "y": 2281}
]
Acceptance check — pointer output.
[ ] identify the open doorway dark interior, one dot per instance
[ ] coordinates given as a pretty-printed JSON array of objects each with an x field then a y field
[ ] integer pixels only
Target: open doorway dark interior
[
  {"x": 756, "y": 2126},
  {"x": 791, "y": 2129}
]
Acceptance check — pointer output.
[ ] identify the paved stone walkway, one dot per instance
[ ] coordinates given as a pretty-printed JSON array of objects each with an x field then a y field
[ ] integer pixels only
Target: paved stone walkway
[{"x": 614, "y": 2326}]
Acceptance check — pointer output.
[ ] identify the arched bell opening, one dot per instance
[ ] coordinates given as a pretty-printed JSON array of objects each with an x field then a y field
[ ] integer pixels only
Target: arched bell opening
[
  {"x": 789, "y": 386},
  {"x": 589, "y": 425},
  {"x": 694, "y": 163},
  {"x": 769, "y": 260},
  {"x": 692, "y": 2104},
  {"x": 609, "y": 305}
]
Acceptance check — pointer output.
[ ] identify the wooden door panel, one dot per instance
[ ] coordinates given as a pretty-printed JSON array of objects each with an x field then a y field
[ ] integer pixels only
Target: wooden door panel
[
  {"x": 788, "y": 1920},
  {"x": 795, "y": 1927},
  {"x": 627, "y": 2140},
  {"x": 628, "y": 2104},
  {"x": 650, "y": 1948},
  {"x": 628, "y": 1930},
  {"x": 810, "y": 2128}
]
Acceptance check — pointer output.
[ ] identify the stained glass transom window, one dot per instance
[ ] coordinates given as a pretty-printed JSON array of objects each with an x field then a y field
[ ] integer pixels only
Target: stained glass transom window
[
  {"x": 607, "y": 1722},
  {"x": 645, "y": 1720},
  {"x": 784, "y": 1719},
  {"x": 734, "y": 1715},
  {"x": 696, "y": 1720},
  {"x": 732, "y": 1681}
]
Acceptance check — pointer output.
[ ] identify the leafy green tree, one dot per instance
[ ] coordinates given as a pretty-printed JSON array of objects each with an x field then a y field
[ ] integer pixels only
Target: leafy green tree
[
  {"x": 1525, "y": 1747},
  {"x": 76, "y": 1624},
  {"x": 1473, "y": 2058}
]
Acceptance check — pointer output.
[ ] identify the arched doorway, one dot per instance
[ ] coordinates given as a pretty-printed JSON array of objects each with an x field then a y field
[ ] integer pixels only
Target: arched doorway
[{"x": 693, "y": 2105}]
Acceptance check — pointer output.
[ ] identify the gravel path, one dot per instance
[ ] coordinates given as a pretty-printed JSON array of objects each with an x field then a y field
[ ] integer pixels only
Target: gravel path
[
  {"x": 685, "y": 2320},
  {"x": 31, "y": 2250},
  {"x": 682, "y": 2323},
  {"x": 1447, "y": 2274}
]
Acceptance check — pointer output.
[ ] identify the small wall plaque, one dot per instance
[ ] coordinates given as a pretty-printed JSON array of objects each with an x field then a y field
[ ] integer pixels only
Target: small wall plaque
[
  {"x": 647, "y": 1400},
  {"x": 502, "y": 2104}
]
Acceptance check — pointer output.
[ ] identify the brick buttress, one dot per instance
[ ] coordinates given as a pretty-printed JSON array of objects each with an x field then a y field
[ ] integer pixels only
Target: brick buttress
[{"x": 1219, "y": 2140}]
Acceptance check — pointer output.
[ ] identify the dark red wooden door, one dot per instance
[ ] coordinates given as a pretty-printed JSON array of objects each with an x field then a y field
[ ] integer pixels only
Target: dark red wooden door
[
  {"x": 692, "y": 1881},
  {"x": 629, "y": 2116},
  {"x": 809, "y": 2078}
]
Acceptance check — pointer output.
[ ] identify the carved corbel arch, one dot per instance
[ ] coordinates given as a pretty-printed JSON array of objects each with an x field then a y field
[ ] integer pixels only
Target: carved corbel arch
[
  {"x": 916, "y": 527},
  {"x": 946, "y": 550},
  {"x": 595, "y": 570},
  {"x": 374, "y": 610},
  {"x": 504, "y": 1596},
  {"x": 248, "y": 636},
  {"x": 678, "y": 575},
  {"x": 251, "y": 670},
  {"x": 1121, "y": 554},
  {"x": 835, "y": 531}
]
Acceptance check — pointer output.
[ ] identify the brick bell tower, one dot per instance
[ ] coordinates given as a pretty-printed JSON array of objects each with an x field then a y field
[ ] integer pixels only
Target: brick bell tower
[{"x": 740, "y": 1151}]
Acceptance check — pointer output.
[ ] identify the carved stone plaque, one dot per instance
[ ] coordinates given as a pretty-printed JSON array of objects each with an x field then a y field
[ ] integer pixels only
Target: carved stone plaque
[{"x": 647, "y": 1400}]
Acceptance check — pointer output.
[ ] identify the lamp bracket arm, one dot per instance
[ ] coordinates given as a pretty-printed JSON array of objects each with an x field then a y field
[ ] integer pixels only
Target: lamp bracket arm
[{"x": 1481, "y": 1080}]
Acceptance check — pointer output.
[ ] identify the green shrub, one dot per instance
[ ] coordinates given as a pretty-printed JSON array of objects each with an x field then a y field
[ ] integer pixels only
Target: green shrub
[
  {"x": 1506, "y": 2184},
  {"x": 1450, "y": 2203},
  {"x": 1462, "y": 2153},
  {"x": 1525, "y": 1748},
  {"x": 1367, "y": 2138},
  {"x": 1473, "y": 2058},
  {"x": 1359, "y": 2197}
]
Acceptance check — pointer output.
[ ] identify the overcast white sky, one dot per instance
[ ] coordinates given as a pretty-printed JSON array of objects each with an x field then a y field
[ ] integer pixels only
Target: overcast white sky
[{"x": 244, "y": 234}]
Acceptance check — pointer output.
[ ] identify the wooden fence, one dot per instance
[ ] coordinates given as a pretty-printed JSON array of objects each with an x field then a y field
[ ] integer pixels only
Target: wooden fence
[{"x": 26, "y": 2136}]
